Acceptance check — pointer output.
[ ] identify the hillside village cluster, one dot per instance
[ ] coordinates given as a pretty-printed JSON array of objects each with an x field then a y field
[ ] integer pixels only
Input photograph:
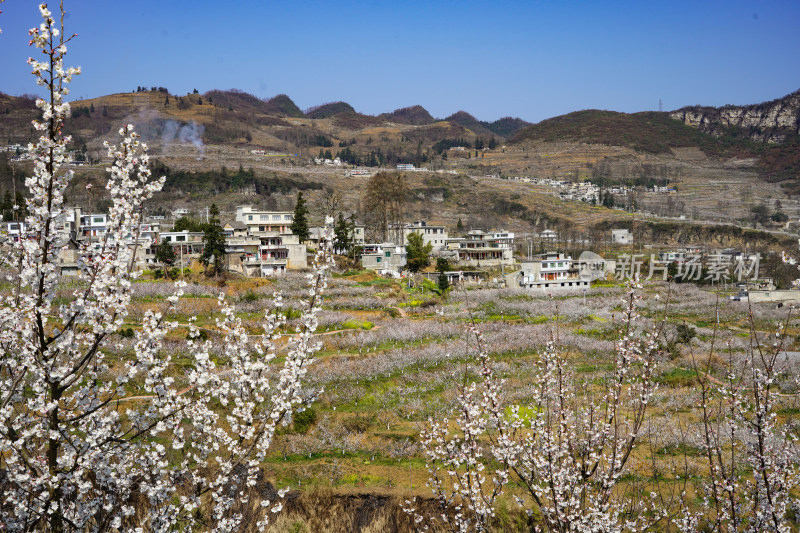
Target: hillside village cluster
[{"x": 261, "y": 244}]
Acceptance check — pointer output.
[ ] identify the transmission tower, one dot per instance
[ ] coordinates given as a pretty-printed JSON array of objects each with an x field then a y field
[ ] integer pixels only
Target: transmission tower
[{"x": 660, "y": 107}]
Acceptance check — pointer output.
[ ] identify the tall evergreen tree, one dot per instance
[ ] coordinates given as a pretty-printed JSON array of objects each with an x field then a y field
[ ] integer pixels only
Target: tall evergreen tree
[
  {"x": 213, "y": 244},
  {"x": 343, "y": 235},
  {"x": 417, "y": 252},
  {"x": 165, "y": 255},
  {"x": 6, "y": 206},
  {"x": 21, "y": 210},
  {"x": 300, "y": 219}
]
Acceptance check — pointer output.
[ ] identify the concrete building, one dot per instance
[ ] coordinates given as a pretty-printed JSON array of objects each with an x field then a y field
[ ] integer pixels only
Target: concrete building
[
  {"x": 12, "y": 231},
  {"x": 385, "y": 258},
  {"x": 263, "y": 256},
  {"x": 551, "y": 271},
  {"x": 548, "y": 235},
  {"x": 482, "y": 249},
  {"x": 315, "y": 235},
  {"x": 92, "y": 226},
  {"x": 621, "y": 236},
  {"x": 436, "y": 236},
  {"x": 187, "y": 245},
  {"x": 234, "y": 228},
  {"x": 459, "y": 278},
  {"x": 264, "y": 221}
]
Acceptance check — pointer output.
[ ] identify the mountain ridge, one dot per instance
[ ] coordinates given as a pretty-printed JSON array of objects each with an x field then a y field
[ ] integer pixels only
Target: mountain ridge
[{"x": 773, "y": 121}]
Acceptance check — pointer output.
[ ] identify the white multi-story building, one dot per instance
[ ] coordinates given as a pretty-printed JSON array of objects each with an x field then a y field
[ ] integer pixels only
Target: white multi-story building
[
  {"x": 436, "y": 236},
  {"x": 92, "y": 226},
  {"x": 550, "y": 272},
  {"x": 385, "y": 258},
  {"x": 13, "y": 231},
  {"x": 277, "y": 252},
  {"x": 315, "y": 234},
  {"x": 265, "y": 221},
  {"x": 482, "y": 249},
  {"x": 187, "y": 245}
]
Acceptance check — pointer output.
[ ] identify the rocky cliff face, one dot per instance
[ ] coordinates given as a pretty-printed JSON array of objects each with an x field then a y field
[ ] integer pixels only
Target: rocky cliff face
[{"x": 770, "y": 122}]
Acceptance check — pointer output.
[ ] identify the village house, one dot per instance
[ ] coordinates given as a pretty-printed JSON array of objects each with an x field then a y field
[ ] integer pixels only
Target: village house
[
  {"x": 234, "y": 228},
  {"x": 277, "y": 253},
  {"x": 458, "y": 278},
  {"x": 385, "y": 258},
  {"x": 436, "y": 236},
  {"x": 548, "y": 235},
  {"x": 482, "y": 249},
  {"x": 264, "y": 254},
  {"x": 551, "y": 271},
  {"x": 92, "y": 226},
  {"x": 315, "y": 234},
  {"x": 187, "y": 245},
  {"x": 180, "y": 212},
  {"x": 621, "y": 236},
  {"x": 12, "y": 230},
  {"x": 264, "y": 221}
]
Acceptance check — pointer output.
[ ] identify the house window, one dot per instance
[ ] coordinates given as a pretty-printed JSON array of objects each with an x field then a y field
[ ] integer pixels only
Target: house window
[
  {"x": 287, "y": 217},
  {"x": 276, "y": 217},
  {"x": 264, "y": 217},
  {"x": 180, "y": 238},
  {"x": 388, "y": 254},
  {"x": 249, "y": 217},
  {"x": 378, "y": 259}
]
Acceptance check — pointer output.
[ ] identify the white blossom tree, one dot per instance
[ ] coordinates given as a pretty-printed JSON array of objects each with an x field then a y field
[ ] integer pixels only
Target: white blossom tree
[
  {"x": 90, "y": 444},
  {"x": 751, "y": 457},
  {"x": 464, "y": 489},
  {"x": 570, "y": 444},
  {"x": 567, "y": 447}
]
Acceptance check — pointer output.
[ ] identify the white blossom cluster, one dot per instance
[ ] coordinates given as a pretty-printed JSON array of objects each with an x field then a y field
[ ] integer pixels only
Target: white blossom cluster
[{"x": 147, "y": 448}]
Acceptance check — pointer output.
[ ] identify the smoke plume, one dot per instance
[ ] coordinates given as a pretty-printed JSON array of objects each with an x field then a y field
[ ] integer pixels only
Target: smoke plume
[{"x": 191, "y": 133}]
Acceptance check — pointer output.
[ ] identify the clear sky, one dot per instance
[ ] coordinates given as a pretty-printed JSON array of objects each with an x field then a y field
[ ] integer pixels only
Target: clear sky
[{"x": 530, "y": 59}]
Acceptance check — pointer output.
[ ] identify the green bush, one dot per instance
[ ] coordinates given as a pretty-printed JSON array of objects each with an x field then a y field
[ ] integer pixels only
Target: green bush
[
  {"x": 250, "y": 297},
  {"x": 685, "y": 333},
  {"x": 303, "y": 420},
  {"x": 201, "y": 337}
]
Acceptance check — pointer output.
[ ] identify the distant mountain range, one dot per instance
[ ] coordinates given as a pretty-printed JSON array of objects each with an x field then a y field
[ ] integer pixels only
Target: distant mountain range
[{"x": 768, "y": 132}]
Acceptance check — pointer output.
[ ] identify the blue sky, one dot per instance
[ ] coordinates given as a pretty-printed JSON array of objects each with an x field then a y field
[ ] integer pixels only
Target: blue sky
[{"x": 529, "y": 59}]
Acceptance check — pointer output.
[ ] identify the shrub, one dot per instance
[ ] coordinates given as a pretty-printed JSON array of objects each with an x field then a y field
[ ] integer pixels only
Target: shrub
[{"x": 303, "y": 420}]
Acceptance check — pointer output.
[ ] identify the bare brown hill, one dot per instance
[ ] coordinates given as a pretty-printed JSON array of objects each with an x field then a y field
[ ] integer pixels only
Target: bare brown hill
[
  {"x": 414, "y": 115},
  {"x": 329, "y": 110}
]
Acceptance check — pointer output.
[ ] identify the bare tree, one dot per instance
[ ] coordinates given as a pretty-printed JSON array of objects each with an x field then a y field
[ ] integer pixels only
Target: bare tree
[{"x": 383, "y": 205}]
